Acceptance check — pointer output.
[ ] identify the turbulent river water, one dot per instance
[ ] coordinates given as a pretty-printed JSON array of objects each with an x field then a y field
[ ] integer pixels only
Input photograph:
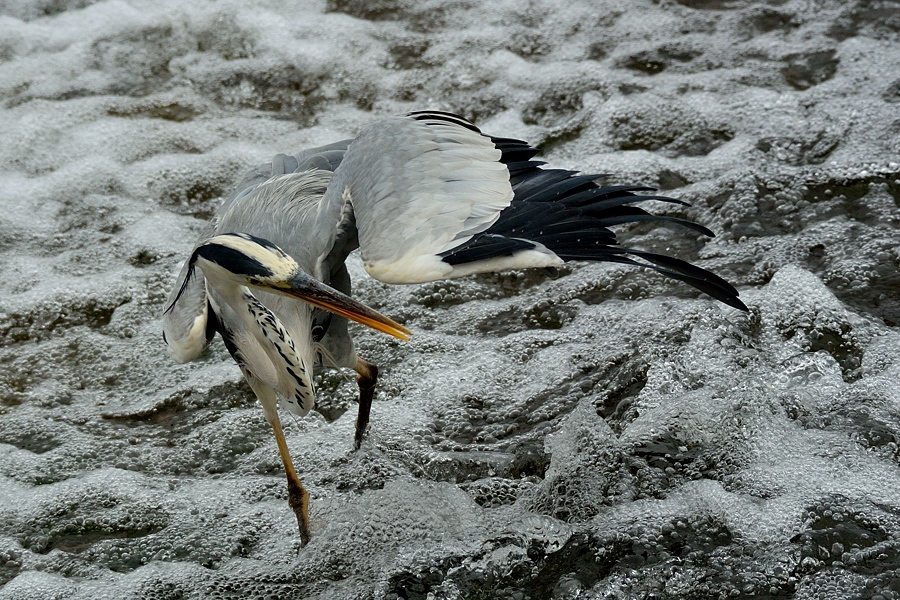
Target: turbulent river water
[{"x": 605, "y": 435}]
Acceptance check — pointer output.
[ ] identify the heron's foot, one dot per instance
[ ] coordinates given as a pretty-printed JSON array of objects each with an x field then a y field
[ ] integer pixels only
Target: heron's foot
[
  {"x": 298, "y": 498},
  {"x": 367, "y": 377}
]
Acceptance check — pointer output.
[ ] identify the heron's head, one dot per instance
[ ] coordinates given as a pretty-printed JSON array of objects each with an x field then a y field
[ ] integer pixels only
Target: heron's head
[
  {"x": 240, "y": 259},
  {"x": 243, "y": 259}
]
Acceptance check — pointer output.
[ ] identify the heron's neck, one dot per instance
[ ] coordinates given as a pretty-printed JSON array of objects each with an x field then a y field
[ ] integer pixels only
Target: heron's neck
[{"x": 292, "y": 364}]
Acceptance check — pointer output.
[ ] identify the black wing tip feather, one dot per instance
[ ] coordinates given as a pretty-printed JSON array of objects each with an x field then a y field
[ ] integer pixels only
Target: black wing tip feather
[
  {"x": 569, "y": 213},
  {"x": 735, "y": 302},
  {"x": 621, "y": 215},
  {"x": 440, "y": 115},
  {"x": 698, "y": 277}
]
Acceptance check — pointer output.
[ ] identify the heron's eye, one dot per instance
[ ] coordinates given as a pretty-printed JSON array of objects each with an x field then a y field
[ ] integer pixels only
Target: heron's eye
[{"x": 253, "y": 281}]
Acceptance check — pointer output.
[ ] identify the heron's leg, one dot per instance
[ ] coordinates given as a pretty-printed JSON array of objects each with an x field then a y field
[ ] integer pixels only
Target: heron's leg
[
  {"x": 298, "y": 497},
  {"x": 367, "y": 376}
]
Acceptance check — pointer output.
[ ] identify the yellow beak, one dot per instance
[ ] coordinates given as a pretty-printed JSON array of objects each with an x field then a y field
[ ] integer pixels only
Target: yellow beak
[{"x": 309, "y": 289}]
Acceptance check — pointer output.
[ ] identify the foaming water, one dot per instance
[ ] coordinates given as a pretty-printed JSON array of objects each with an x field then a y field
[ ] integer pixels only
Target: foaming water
[{"x": 606, "y": 434}]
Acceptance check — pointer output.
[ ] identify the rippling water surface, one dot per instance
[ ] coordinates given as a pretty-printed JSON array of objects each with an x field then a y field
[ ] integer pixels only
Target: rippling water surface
[{"x": 608, "y": 434}]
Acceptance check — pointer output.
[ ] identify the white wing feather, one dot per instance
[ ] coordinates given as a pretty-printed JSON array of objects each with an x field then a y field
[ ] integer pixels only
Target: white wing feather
[{"x": 419, "y": 188}]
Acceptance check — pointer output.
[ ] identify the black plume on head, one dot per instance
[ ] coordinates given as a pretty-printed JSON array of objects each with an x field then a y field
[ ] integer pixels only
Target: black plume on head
[{"x": 233, "y": 260}]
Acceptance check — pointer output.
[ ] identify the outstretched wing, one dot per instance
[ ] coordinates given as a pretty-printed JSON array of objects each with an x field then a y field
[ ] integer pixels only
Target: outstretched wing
[
  {"x": 419, "y": 186},
  {"x": 434, "y": 198}
]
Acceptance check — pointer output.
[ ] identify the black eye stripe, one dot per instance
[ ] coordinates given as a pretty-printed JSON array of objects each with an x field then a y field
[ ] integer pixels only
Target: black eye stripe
[{"x": 234, "y": 260}]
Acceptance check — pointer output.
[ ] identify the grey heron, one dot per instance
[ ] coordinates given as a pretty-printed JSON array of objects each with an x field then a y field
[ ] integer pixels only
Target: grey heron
[{"x": 425, "y": 196}]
